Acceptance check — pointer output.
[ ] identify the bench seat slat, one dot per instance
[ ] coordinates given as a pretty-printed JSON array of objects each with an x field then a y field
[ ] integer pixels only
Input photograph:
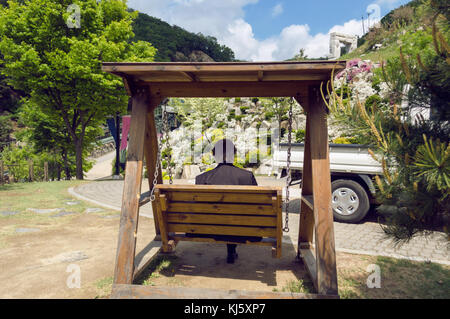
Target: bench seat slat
[
  {"x": 221, "y": 197},
  {"x": 223, "y": 230},
  {"x": 264, "y": 221},
  {"x": 214, "y": 208}
]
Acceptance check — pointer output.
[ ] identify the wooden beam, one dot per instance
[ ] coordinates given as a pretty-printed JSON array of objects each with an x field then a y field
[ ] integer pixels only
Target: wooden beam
[
  {"x": 126, "y": 247},
  {"x": 151, "y": 152},
  {"x": 305, "y": 234},
  {"x": 307, "y": 67},
  {"x": 260, "y": 75},
  {"x": 189, "y": 75},
  {"x": 230, "y": 89},
  {"x": 148, "y": 292},
  {"x": 321, "y": 184}
]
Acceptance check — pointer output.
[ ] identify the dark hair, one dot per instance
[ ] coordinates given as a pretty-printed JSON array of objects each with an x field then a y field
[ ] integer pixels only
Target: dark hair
[{"x": 224, "y": 143}]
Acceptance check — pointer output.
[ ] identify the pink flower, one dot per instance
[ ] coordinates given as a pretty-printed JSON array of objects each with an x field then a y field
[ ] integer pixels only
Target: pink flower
[{"x": 353, "y": 63}]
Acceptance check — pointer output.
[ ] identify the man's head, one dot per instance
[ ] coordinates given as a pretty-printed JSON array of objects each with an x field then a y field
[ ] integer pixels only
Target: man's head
[{"x": 224, "y": 151}]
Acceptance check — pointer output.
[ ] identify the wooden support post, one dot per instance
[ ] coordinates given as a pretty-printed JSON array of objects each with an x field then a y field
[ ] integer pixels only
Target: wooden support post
[
  {"x": 2, "y": 173},
  {"x": 30, "y": 171},
  {"x": 126, "y": 248},
  {"x": 151, "y": 153},
  {"x": 305, "y": 236},
  {"x": 46, "y": 171},
  {"x": 325, "y": 254}
]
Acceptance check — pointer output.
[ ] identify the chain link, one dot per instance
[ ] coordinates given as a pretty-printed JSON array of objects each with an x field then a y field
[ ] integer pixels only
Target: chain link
[
  {"x": 288, "y": 167},
  {"x": 168, "y": 147},
  {"x": 165, "y": 132}
]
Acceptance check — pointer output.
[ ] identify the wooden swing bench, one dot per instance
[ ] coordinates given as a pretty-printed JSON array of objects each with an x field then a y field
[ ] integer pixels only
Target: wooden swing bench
[
  {"x": 199, "y": 212},
  {"x": 185, "y": 210}
]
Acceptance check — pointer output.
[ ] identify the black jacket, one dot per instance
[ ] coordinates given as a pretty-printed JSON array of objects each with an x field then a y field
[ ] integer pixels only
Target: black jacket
[{"x": 226, "y": 174}]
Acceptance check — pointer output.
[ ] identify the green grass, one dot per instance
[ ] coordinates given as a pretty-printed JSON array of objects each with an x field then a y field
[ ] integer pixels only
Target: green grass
[
  {"x": 400, "y": 279},
  {"x": 19, "y": 197},
  {"x": 161, "y": 264},
  {"x": 104, "y": 287}
]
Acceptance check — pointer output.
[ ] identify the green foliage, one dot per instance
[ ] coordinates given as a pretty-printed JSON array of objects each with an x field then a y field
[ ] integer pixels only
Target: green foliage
[
  {"x": 300, "y": 136},
  {"x": 172, "y": 39},
  {"x": 60, "y": 67},
  {"x": 414, "y": 152},
  {"x": 5, "y": 131}
]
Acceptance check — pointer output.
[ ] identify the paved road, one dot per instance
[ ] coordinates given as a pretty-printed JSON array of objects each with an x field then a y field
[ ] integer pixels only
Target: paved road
[{"x": 364, "y": 238}]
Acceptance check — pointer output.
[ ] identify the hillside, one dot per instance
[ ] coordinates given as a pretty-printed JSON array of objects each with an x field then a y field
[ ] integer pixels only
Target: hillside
[
  {"x": 399, "y": 24},
  {"x": 176, "y": 44}
]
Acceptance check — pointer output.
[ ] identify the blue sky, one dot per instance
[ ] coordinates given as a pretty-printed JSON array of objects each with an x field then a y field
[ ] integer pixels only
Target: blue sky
[{"x": 269, "y": 30}]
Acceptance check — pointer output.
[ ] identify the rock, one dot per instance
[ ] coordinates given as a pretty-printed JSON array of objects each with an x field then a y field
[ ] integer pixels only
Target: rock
[
  {"x": 199, "y": 56},
  {"x": 190, "y": 171},
  {"x": 27, "y": 230},
  {"x": 8, "y": 213},
  {"x": 44, "y": 211},
  {"x": 61, "y": 214},
  {"x": 73, "y": 203},
  {"x": 180, "y": 57},
  {"x": 68, "y": 257},
  {"x": 93, "y": 210}
]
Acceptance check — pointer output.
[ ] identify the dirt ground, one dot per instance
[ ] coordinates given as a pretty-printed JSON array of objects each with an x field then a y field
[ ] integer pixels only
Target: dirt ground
[{"x": 37, "y": 264}]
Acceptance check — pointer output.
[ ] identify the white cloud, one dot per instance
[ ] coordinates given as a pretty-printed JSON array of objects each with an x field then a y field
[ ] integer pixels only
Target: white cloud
[
  {"x": 277, "y": 10},
  {"x": 225, "y": 21}
]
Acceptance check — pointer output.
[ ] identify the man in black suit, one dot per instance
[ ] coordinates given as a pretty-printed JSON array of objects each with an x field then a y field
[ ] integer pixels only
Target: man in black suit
[{"x": 227, "y": 174}]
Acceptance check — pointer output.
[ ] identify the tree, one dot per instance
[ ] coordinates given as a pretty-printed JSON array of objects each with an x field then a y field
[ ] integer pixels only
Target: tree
[
  {"x": 54, "y": 55},
  {"x": 414, "y": 151}
]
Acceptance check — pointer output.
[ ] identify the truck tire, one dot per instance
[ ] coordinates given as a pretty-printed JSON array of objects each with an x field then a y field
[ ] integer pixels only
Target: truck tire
[{"x": 349, "y": 201}]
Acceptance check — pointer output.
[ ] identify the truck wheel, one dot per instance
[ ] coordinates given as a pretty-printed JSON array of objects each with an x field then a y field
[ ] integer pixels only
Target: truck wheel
[{"x": 349, "y": 201}]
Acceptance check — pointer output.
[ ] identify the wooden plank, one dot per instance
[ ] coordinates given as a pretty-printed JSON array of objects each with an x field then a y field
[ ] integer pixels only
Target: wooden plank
[
  {"x": 182, "y": 237},
  {"x": 144, "y": 199},
  {"x": 230, "y": 89},
  {"x": 213, "y": 208},
  {"x": 145, "y": 257},
  {"x": 151, "y": 151},
  {"x": 124, "y": 266},
  {"x": 219, "y": 189},
  {"x": 306, "y": 66},
  {"x": 213, "y": 219},
  {"x": 30, "y": 171},
  {"x": 46, "y": 171},
  {"x": 220, "y": 197},
  {"x": 222, "y": 230},
  {"x": 308, "y": 200},
  {"x": 162, "y": 222},
  {"x": 149, "y": 292},
  {"x": 306, "y": 224},
  {"x": 309, "y": 261},
  {"x": 321, "y": 178},
  {"x": 277, "y": 202}
]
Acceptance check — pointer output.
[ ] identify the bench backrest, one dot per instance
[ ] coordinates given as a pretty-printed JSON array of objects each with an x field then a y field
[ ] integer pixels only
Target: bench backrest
[{"x": 221, "y": 210}]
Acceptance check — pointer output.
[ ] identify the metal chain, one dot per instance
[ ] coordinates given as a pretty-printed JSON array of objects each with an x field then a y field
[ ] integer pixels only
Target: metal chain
[
  {"x": 288, "y": 167},
  {"x": 168, "y": 147},
  {"x": 158, "y": 156}
]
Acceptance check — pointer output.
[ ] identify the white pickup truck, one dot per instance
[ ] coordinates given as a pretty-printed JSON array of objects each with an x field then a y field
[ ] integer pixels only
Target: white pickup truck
[{"x": 352, "y": 170}]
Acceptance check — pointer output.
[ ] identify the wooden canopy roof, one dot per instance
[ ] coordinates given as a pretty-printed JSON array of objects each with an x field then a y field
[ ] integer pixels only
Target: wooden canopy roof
[{"x": 224, "y": 79}]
